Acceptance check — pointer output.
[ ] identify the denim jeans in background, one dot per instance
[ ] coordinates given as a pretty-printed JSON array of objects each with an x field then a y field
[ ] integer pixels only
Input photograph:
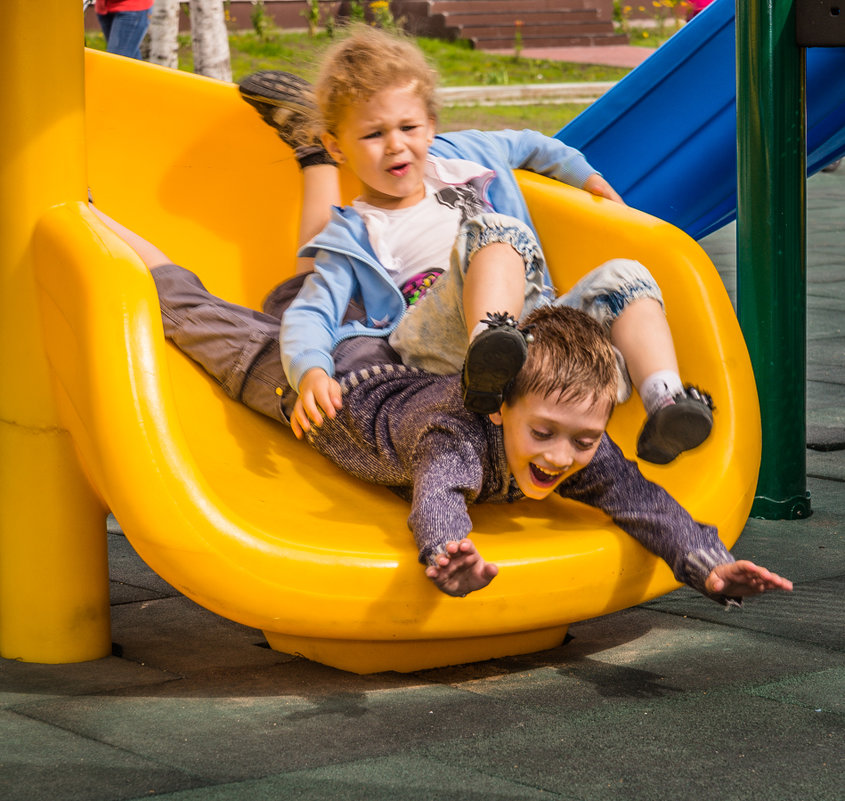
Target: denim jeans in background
[{"x": 124, "y": 31}]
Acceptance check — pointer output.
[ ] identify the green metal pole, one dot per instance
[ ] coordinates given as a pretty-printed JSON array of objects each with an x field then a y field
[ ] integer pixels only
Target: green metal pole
[{"x": 771, "y": 244}]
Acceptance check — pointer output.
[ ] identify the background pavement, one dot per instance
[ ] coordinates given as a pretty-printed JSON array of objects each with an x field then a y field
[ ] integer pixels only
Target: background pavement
[
  {"x": 674, "y": 698},
  {"x": 608, "y": 55}
]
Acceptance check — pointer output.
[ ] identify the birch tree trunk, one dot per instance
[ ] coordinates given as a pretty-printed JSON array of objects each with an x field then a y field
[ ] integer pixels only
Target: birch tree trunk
[
  {"x": 163, "y": 32},
  {"x": 210, "y": 39}
]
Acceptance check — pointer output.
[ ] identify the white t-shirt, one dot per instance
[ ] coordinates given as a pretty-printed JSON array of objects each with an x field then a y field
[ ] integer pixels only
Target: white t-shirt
[{"x": 414, "y": 244}]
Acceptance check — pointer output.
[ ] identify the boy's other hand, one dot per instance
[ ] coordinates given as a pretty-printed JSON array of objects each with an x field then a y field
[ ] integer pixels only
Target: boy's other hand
[
  {"x": 319, "y": 394},
  {"x": 743, "y": 578},
  {"x": 596, "y": 185},
  {"x": 460, "y": 569}
]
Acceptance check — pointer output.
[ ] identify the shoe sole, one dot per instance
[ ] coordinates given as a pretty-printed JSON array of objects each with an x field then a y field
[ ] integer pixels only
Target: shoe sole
[
  {"x": 677, "y": 428},
  {"x": 491, "y": 364},
  {"x": 279, "y": 92}
]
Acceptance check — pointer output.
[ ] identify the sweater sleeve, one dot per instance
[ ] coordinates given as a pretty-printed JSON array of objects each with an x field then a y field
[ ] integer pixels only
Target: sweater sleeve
[
  {"x": 447, "y": 475},
  {"x": 650, "y": 515},
  {"x": 404, "y": 429},
  {"x": 311, "y": 323}
]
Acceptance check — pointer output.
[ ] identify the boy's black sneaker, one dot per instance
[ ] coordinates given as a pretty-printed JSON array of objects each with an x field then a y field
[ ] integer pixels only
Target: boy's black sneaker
[
  {"x": 493, "y": 360},
  {"x": 286, "y": 103},
  {"x": 680, "y": 426}
]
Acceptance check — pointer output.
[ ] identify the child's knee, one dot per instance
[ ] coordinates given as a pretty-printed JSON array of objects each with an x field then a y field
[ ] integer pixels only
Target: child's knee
[
  {"x": 610, "y": 288},
  {"x": 484, "y": 230}
]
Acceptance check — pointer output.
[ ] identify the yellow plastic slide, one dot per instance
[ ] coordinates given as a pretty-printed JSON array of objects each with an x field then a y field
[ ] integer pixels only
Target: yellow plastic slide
[{"x": 235, "y": 513}]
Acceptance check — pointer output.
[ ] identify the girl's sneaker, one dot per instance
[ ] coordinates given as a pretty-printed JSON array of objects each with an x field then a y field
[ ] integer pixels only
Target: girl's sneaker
[
  {"x": 679, "y": 426},
  {"x": 286, "y": 103},
  {"x": 493, "y": 360}
]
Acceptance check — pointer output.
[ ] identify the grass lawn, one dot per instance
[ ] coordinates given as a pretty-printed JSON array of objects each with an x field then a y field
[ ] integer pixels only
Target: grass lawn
[{"x": 457, "y": 64}]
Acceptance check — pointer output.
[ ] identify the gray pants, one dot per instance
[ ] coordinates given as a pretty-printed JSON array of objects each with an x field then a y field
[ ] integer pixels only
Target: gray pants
[{"x": 239, "y": 347}]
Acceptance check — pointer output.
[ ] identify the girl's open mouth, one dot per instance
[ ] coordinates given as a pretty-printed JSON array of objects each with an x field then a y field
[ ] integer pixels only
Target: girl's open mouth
[{"x": 544, "y": 478}]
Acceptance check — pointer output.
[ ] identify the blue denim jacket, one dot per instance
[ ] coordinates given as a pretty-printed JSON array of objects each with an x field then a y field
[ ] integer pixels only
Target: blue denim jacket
[{"x": 346, "y": 267}]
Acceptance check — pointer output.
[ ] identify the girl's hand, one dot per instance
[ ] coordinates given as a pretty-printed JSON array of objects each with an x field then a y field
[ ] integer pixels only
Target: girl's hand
[
  {"x": 319, "y": 395},
  {"x": 596, "y": 185}
]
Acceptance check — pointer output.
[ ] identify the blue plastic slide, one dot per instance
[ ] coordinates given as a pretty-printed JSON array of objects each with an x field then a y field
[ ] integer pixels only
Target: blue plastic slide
[{"x": 665, "y": 135}]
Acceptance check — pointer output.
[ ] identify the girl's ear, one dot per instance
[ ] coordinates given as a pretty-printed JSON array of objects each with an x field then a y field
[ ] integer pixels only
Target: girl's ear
[
  {"x": 432, "y": 129},
  {"x": 333, "y": 148}
]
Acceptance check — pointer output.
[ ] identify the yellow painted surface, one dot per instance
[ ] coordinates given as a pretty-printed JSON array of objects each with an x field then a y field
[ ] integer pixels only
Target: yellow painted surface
[
  {"x": 54, "y": 603},
  {"x": 229, "y": 507}
]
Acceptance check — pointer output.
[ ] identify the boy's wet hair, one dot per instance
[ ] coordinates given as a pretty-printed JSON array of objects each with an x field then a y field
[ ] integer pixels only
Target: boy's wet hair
[
  {"x": 571, "y": 358},
  {"x": 365, "y": 62}
]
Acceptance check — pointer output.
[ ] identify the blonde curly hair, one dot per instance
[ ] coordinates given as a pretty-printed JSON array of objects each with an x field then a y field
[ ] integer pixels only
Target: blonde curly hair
[{"x": 365, "y": 62}]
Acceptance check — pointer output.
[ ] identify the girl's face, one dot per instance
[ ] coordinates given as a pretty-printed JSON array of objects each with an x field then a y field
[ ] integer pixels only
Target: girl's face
[{"x": 385, "y": 142}]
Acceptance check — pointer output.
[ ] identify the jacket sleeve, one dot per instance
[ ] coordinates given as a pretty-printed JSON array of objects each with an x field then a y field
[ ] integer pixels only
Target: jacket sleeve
[
  {"x": 311, "y": 323},
  {"x": 650, "y": 515},
  {"x": 526, "y": 150}
]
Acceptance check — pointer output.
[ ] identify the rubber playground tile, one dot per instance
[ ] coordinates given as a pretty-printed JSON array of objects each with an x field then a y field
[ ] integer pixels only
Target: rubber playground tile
[
  {"x": 131, "y": 579},
  {"x": 826, "y": 350},
  {"x": 830, "y": 437},
  {"x": 25, "y": 682},
  {"x": 821, "y": 692},
  {"x": 668, "y": 656},
  {"x": 826, "y": 324},
  {"x": 121, "y": 593},
  {"x": 395, "y": 778},
  {"x": 126, "y": 565},
  {"x": 179, "y": 636},
  {"x": 246, "y": 725},
  {"x": 813, "y": 614},
  {"x": 826, "y": 374},
  {"x": 802, "y": 550},
  {"x": 826, "y": 405},
  {"x": 39, "y": 762},
  {"x": 829, "y": 465},
  {"x": 730, "y": 746}
]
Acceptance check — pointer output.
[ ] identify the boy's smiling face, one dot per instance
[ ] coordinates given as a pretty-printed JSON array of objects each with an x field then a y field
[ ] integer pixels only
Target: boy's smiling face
[
  {"x": 547, "y": 439},
  {"x": 385, "y": 142}
]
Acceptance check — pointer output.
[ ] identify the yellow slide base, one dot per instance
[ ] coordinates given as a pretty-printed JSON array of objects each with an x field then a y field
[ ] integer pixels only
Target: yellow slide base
[
  {"x": 375, "y": 656},
  {"x": 240, "y": 517}
]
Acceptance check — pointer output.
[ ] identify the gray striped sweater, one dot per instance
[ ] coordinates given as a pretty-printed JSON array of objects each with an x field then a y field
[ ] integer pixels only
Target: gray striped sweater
[{"x": 408, "y": 430}]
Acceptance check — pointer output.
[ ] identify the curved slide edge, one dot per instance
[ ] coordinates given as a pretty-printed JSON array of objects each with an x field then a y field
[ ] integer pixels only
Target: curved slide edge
[
  {"x": 665, "y": 135},
  {"x": 235, "y": 513},
  {"x": 362, "y": 611}
]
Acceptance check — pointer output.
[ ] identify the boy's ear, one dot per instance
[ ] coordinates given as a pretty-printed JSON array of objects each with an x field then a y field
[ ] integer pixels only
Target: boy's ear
[
  {"x": 330, "y": 143},
  {"x": 496, "y": 418}
]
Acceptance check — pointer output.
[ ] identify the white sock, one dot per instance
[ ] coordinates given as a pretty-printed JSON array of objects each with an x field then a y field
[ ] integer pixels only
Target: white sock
[
  {"x": 477, "y": 330},
  {"x": 658, "y": 389}
]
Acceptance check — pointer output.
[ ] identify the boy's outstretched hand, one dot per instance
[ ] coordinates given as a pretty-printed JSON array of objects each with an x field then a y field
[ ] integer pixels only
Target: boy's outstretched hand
[
  {"x": 319, "y": 394},
  {"x": 461, "y": 569},
  {"x": 743, "y": 578},
  {"x": 596, "y": 185}
]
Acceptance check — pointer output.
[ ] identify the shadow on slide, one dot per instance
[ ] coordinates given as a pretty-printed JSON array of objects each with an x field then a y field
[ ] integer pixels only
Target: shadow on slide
[{"x": 235, "y": 513}]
